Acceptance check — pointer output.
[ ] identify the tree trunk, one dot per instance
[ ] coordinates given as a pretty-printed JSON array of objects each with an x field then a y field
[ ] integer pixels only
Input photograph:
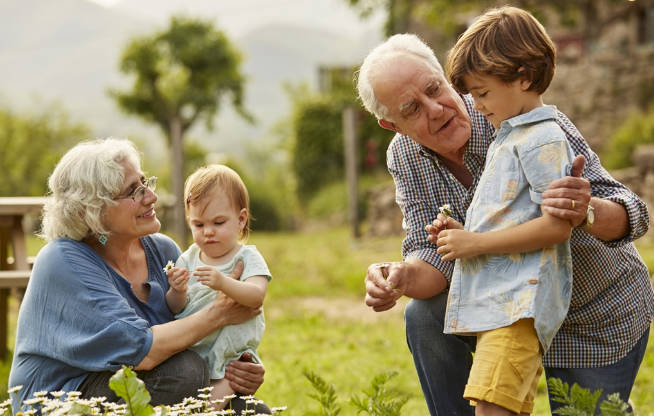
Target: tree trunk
[{"x": 177, "y": 177}]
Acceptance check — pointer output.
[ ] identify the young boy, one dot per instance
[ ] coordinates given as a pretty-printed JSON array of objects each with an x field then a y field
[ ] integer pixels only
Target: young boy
[{"x": 513, "y": 275}]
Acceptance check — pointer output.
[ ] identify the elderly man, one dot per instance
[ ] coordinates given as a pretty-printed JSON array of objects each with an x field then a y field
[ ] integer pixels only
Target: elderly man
[{"x": 436, "y": 158}]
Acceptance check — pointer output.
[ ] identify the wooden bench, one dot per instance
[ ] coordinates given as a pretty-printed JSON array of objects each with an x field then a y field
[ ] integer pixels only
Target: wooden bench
[{"x": 9, "y": 280}]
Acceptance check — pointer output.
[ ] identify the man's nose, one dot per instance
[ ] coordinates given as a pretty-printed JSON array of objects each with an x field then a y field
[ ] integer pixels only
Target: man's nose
[{"x": 435, "y": 108}]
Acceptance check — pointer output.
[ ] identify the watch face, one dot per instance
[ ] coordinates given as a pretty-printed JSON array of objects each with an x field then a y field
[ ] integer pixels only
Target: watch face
[{"x": 590, "y": 215}]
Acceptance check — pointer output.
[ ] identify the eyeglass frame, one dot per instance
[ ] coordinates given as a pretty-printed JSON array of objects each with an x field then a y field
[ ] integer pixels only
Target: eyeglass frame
[{"x": 147, "y": 183}]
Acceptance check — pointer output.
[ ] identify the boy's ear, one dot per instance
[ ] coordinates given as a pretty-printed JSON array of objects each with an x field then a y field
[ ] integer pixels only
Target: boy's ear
[
  {"x": 525, "y": 82},
  {"x": 388, "y": 125}
]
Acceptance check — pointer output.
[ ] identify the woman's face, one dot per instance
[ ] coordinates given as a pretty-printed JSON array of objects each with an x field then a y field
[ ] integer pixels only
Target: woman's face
[{"x": 132, "y": 217}]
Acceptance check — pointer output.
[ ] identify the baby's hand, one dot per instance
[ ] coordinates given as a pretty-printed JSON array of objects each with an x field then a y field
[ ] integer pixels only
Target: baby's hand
[
  {"x": 178, "y": 279},
  {"x": 209, "y": 276}
]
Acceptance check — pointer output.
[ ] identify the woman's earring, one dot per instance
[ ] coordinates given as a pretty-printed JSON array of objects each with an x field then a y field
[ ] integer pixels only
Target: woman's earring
[{"x": 103, "y": 239}]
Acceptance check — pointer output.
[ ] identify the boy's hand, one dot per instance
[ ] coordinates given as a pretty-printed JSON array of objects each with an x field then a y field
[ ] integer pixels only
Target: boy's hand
[
  {"x": 178, "y": 279},
  {"x": 456, "y": 244},
  {"x": 442, "y": 222},
  {"x": 209, "y": 276}
]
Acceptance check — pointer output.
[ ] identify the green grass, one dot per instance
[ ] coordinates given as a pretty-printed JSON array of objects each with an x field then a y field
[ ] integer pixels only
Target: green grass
[{"x": 316, "y": 321}]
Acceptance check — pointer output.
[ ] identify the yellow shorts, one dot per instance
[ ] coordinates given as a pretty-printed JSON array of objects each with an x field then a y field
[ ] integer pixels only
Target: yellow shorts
[{"x": 506, "y": 367}]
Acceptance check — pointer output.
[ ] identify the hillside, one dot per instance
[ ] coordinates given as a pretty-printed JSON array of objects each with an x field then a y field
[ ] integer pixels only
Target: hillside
[{"x": 68, "y": 51}]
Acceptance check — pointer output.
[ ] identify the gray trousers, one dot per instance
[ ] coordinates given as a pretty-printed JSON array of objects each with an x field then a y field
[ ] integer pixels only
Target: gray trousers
[{"x": 170, "y": 382}]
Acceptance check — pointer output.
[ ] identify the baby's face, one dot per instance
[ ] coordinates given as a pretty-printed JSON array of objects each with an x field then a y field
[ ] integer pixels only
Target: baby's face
[{"x": 216, "y": 226}]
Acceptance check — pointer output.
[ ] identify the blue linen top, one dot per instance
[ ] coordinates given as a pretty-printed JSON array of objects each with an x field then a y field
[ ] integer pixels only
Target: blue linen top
[
  {"x": 612, "y": 302},
  {"x": 494, "y": 291},
  {"x": 79, "y": 315}
]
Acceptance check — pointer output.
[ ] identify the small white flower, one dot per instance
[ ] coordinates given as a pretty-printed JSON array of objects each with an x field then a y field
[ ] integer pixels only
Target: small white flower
[
  {"x": 278, "y": 409},
  {"x": 229, "y": 397},
  {"x": 445, "y": 210},
  {"x": 14, "y": 389},
  {"x": 33, "y": 401},
  {"x": 57, "y": 394},
  {"x": 169, "y": 266}
]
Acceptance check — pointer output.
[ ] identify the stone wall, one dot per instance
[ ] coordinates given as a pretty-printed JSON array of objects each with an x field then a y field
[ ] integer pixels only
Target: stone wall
[{"x": 599, "y": 91}]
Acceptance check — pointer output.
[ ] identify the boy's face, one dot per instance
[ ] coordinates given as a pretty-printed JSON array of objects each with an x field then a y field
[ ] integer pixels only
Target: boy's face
[
  {"x": 216, "y": 226},
  {"x": 499, "y": 101}
]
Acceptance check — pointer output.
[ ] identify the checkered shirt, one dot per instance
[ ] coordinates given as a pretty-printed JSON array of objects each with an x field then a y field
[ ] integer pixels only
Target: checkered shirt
[{"x": 612, "y": 301}]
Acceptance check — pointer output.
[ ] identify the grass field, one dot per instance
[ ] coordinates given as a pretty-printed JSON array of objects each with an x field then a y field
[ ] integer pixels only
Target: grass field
[{"x": 316, "y": 321}]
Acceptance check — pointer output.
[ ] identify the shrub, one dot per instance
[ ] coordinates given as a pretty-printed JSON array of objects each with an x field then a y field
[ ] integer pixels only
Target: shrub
[{"x": 638, "y": 129}]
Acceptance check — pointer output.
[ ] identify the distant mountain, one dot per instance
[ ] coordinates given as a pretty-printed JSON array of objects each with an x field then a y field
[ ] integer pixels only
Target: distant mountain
[{"x": 68, "y": 50}]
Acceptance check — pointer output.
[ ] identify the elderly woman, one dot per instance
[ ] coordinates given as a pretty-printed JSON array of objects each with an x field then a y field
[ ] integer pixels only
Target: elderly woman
[{"x": 96, "y": 298}]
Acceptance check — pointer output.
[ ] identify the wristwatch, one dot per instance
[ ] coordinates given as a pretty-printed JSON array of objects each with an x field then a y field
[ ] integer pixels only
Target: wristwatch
[{"x": 590, "y": 218}]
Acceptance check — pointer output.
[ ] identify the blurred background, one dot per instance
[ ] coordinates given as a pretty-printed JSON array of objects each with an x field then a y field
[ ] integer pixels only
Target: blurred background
[{"x": 265, "y": 87}]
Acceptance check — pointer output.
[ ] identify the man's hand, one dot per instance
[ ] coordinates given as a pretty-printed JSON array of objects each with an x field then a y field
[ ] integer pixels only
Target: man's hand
[
  {"x": 244, "y": 377},
  {"x": 568, "y": 198},
  {"x": 456, "y": 244},
  {"x": 385, "y": 284}
]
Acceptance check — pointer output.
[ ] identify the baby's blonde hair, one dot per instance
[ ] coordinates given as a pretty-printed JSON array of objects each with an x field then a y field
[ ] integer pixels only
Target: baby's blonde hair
[{"x": 206, "y": 179}]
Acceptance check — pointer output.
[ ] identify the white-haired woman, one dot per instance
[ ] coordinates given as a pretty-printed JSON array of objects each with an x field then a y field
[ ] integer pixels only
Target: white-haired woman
[{"x": 96, "y": 297}]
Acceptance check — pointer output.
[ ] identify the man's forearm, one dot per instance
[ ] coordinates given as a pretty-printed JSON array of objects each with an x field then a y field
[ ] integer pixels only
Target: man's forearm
[
  {"x": 611, "y": 220},
  {"x": 426, "y": 280}
]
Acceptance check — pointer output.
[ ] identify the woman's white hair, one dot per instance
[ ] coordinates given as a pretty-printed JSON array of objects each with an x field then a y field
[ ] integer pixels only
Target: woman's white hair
[
  {"x": 404, "y": 43},
  {"x": 85, "y": 180}
]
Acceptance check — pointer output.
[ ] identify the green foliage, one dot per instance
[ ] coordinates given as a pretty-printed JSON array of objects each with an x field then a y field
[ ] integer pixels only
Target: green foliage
[
  {"x": 579, "y": 401},
  {"x": 378, "y": 400},
  {"x": 317, "y": 154},
  {"x": 638, "y": 129},
  {"x": 132, "y": 390},
  {"x": 326, "y": 395},
  {"x": 31, "y": 147}
]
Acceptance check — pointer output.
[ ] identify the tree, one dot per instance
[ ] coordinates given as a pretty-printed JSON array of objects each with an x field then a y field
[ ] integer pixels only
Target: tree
[
  {"x": 31, "y": 147},
  {"x": 590, "y": 16},
  {"x": 181, "y": 76}
]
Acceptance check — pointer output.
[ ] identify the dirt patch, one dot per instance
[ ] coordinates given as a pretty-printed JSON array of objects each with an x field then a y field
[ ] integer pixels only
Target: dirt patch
[{"x": 351, "y": 309}]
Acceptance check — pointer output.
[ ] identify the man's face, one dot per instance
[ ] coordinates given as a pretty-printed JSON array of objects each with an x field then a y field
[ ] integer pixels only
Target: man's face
[{"x": 422, "y": 105}]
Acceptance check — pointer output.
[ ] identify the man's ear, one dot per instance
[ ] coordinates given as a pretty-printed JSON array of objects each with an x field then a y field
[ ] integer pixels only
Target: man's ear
[{"x": 387, "y": 125}]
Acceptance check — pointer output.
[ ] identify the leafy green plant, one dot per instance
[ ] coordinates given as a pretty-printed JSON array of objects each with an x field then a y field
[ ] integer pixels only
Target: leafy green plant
[
  {"x": 376, "y": 401},
  {"x": 326, "y": 395},
  {"x": 579, "y": 401}
]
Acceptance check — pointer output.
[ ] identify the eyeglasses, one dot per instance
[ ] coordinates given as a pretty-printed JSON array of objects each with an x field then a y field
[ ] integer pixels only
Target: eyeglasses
[{"x": 138, "y": 193}]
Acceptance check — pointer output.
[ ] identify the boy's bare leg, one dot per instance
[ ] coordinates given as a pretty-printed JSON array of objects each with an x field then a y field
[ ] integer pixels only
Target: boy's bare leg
[
  {"x": 490, "y": 409},
  {"x": 221, "y": 389}
]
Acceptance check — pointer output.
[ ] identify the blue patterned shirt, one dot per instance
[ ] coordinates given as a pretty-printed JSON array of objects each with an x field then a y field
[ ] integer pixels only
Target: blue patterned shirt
[
  {"x": 612, "y": 302},
  {"x": 494, "y": 291}
]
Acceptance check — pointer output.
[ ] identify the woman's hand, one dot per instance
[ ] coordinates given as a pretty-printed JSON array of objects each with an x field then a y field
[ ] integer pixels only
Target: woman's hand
[{"x": 244, "y": 377}]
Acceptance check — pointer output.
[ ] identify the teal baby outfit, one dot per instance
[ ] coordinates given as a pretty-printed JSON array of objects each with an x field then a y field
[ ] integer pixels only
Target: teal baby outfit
[{"x": 230, "y": 342}]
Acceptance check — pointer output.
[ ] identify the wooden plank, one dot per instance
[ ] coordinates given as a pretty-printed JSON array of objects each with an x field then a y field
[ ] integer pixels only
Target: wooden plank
[
  {"x": 20, "y": 205},
  {"x": 14, "y": 279}
]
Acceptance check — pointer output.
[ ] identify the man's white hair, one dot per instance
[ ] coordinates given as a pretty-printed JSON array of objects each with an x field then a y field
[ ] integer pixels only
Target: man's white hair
[
  {"x": 83, "y": 183},
  {"x": 404, "y": 43}
]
